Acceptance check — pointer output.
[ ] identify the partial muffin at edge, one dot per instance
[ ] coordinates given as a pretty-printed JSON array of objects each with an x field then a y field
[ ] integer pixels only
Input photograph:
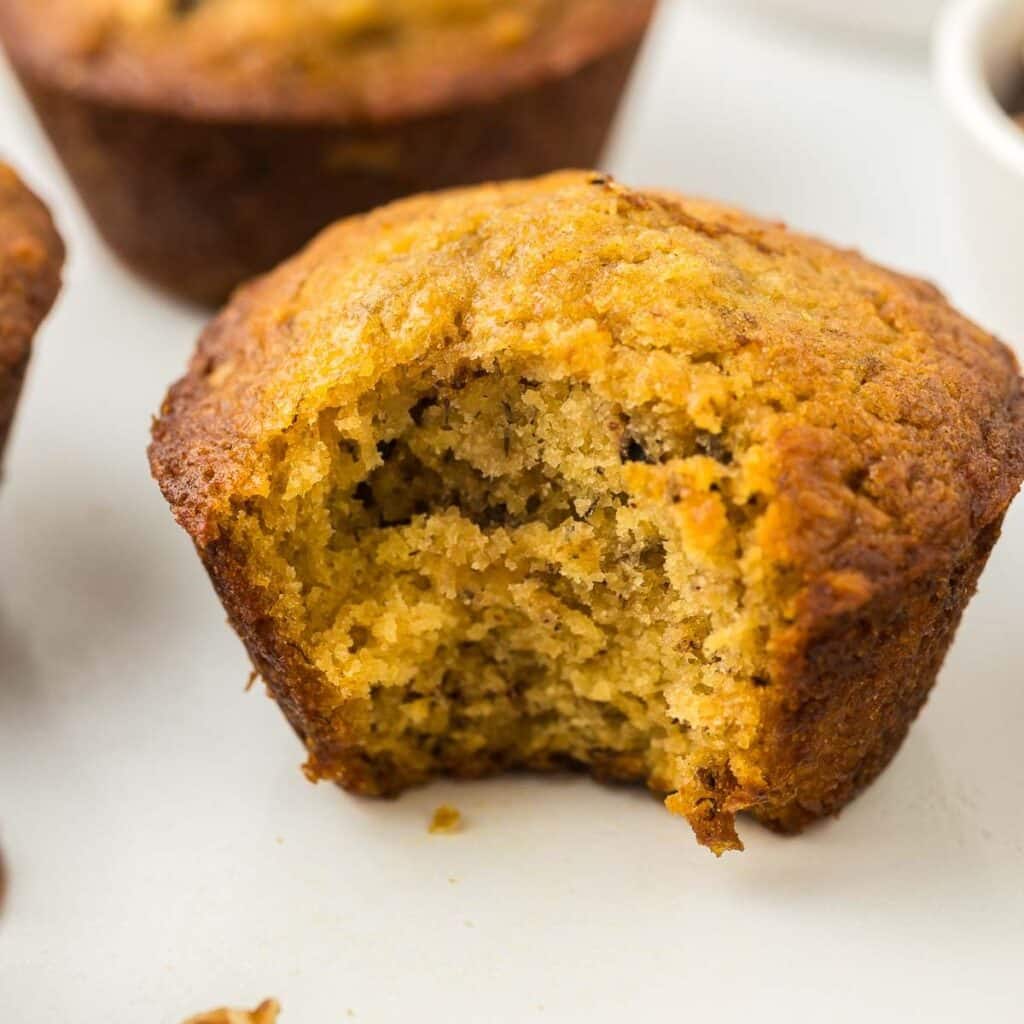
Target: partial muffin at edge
[
  {"x": 560, "y": 473},
  {"x": 211, "y": 144},
  {"x": 31, "y": 256}
]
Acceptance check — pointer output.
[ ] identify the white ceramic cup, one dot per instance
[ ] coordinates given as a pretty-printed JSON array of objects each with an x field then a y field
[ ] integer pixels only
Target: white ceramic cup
[{"x": 979, "y": 66}]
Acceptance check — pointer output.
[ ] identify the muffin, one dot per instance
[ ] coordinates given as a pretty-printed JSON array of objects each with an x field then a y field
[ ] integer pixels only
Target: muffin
[
  {"x": 212, "y": 139},
  {"x": 31, "y": 255},
  {"x": 558, "y": 474}
]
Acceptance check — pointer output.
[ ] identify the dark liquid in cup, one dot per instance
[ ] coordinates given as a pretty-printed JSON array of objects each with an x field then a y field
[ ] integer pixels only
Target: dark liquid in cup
[{"x": 1016, "y": 104}]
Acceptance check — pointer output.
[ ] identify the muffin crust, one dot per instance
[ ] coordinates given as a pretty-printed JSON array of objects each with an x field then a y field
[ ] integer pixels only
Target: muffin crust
[{"x": 562, "y": 473}]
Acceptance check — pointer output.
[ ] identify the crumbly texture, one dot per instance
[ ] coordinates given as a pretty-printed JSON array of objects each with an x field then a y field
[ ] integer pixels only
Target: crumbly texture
[
  {"x": 557, "y": 473},
  {"x": 266, "y": 1013},
  {"x": 31, "y": 255},
  {"x": 342, "y": 59}
]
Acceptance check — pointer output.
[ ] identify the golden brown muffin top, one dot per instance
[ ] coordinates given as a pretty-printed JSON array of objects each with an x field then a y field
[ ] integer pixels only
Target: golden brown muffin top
[
  {"x": 875, "y": 428},
  {"x": 361, "y": 59},
  {"x": 31, "y": 255}
]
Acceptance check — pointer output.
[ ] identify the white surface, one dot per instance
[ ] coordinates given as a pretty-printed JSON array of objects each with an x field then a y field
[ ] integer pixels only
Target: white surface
[
  {"x": 906, "y": 19},
  {"x": 165, "y": 853},
  {"x": 979, "y": 65}
]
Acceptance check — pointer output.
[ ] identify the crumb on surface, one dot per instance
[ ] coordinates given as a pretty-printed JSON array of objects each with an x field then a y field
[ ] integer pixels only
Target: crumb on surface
[
  {"x": 446, "y": 819},
  {"x": 266, "y": 1013}
]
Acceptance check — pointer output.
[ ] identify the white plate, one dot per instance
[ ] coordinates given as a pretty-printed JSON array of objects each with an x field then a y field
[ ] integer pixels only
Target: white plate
[
  {"x": 167, "y": 856},
  {"x": 904, "y": 19}
]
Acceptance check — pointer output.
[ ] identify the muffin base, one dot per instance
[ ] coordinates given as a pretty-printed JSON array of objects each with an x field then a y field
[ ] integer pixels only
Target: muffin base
[{"x": 198, "y": 207}]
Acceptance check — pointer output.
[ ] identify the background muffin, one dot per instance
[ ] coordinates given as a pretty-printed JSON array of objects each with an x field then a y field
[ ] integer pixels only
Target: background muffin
[
  {"x": 560, "y": 473},
  {"x": 211, "y": 139},
  {"x": 31, "y": 255}
]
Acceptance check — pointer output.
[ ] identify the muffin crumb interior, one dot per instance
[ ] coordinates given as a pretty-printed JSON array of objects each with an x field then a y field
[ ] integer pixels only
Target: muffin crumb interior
[{"x": 474, "y": 566}]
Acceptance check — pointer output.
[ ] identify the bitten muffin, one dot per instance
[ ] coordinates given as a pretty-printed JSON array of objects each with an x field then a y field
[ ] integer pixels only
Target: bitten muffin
[
  {"x": 31, "y": 256},
  {"x": 211, "y": 139},
  {"x": 558, "y": 473}
]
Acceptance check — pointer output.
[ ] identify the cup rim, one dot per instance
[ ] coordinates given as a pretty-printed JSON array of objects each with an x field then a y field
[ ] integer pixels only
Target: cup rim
[{"x": 959, "y": 61}]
